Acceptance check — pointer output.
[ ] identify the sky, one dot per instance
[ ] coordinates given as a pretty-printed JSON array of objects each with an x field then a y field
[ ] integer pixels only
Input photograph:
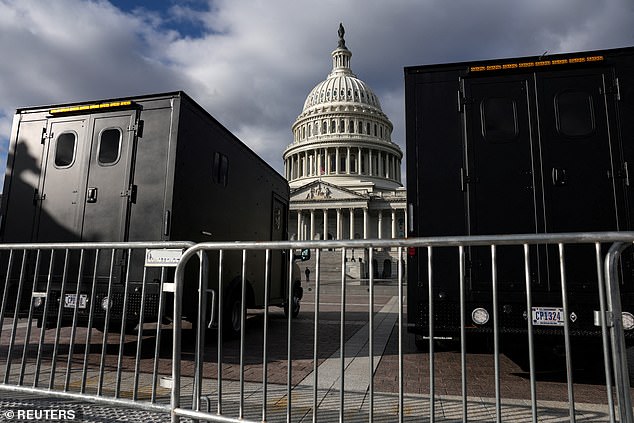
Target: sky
[{"x": 251, "y": 63}]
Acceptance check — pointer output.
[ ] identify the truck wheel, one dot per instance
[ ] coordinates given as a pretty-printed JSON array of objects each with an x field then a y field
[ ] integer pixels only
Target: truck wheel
[
  {"x": 297, "y": 296},
  {"x": 232, "y": 313},
  {"x": 294, "y": 308}
]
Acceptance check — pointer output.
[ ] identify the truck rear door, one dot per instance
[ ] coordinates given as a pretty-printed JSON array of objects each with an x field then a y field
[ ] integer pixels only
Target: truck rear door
[
  {"x": 577, "y": 152},
  {"x": 498, "y": 176},
  {"x": 60, "y": 211},
  {"x": 579, "y": 163},
  {"x": 86, "y": 182},
  {"x": 108, "y": 184}
]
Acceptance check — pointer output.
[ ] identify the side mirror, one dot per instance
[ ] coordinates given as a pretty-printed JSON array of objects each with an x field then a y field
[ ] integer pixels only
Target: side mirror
[{"x": 304, "y": 255}]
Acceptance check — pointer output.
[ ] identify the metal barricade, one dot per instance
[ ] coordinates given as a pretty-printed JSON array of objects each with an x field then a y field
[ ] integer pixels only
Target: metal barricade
[
  {"x": 85, "y": 321},
  {"x": 89, "y": 322},
  {"x": 242, "y": 380}
]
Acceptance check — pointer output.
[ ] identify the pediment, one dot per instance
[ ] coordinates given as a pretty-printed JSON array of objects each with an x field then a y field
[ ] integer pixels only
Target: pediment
[{"x": 323, "y": 191}]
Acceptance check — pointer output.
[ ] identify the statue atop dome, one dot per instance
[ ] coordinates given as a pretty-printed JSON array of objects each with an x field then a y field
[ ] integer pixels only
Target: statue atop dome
[{"x": 341, "y": 32}]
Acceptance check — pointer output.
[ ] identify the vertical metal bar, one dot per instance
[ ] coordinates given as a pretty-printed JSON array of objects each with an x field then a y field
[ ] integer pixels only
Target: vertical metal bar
[
  {"x": 159, "y": 331},
  {"x": 220, "y": 326},
  {"x": 58, "y": 328},
  {"x": 529, "y": 322},
  {"x": 432, "y": 370},
  {"x": 242, "y": 330},
  {"x": 265, "y": 346},
  {"x": 47, "y": 305},
  {"x": 342, "y": 338},
  {"x": 316, "y": 334},
  {"x": 91, "y": 305},
  {"x": 200, "y": 332},
  {"x": 564, "y": 299},
  {"x": 401, "y": 407},
  {"x": 73, "y": 330},
  {"x": 496, "y": 334},
  {"x": 38, "y": 361},
  {"x": 16, "y": 313},
  {"x": 29, "y": 324},
  {"x": 463, "y": 332},
  {"x": 604, "y": 330},
  {"x": 289, "y": 337},
  {"x": 619, "y": 356},
  {"x": 117, "y": 389},
  {"x": 371, "y": 338},
  {"x": 176, "y": 339},
  {"x": 139, "y": 338},
  {"x": 5, "y": 291},
  {"x": 106, "y": 324}
]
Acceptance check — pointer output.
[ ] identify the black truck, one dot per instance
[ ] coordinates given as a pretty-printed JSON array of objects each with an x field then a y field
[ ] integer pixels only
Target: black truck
[
  {"x": 147, "y": 168},
  {"x": 530, "y": 145}
]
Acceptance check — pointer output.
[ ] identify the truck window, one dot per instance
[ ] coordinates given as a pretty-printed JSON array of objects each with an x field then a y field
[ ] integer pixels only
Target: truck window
[
  {"x": 109, "y": 146},
  {"x": 499, "y": 119},
  {"x": 220, "y": 169},
  {"x": 574, "y": 114},
  {"x": 65, "y": 149}
]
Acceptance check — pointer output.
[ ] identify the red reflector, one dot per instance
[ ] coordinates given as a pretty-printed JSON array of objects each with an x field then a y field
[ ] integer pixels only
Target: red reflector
[{"x": 411, "y": 251}]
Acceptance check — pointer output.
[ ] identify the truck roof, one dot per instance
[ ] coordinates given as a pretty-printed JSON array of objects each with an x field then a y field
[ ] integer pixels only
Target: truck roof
[
  {"x": 512, "y": 63},
  {"x": 121, "y": 102}
]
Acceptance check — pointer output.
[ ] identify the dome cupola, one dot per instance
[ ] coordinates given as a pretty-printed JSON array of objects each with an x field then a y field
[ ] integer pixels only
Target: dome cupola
[{"x": 342, "y": 135}]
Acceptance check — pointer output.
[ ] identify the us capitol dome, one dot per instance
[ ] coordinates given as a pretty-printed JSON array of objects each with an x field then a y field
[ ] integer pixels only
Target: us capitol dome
[{"x": 343, "y": 169}]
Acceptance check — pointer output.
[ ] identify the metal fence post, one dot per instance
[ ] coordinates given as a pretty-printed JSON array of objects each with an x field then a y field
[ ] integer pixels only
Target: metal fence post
[{"x": 619, "y": 356}]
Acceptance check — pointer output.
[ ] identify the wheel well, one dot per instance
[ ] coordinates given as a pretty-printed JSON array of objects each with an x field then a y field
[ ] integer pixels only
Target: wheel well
[{"x": 236, "y": 283}]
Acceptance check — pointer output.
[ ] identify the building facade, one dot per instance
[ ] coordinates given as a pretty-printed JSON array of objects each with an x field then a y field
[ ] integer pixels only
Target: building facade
[{"x": 343, "y": 169}]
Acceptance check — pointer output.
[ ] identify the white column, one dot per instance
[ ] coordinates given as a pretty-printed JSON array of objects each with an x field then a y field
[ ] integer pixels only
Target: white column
[
  {"x": 328, "y": 167},
  {"x": 359, "y": 162},
  {"x": 299, "y": 225},
  {"x": 305, "y": 166},
  {"x": 325, "y": 224},
  {"x": 351, "y": 223},
  {"x": 393, "y": 223},
  {"x": 370, "y": 171},
  {"x": 316, "y": 162},
  {"x": 365, "y": 223},
  {"x": 312, "y": 224},
  {"x": 338, "y": 224},
  {"x": 337, "y": 166},
  {"x": 348, "y": 162},
  {"x": 380, "y": 225}
]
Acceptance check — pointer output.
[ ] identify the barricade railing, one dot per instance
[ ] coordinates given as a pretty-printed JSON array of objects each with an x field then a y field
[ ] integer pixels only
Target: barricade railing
[
  {"x": 90, "y": 322},
  {"x": 85, "y": 321},
  {"x": 306, "y": 400}
]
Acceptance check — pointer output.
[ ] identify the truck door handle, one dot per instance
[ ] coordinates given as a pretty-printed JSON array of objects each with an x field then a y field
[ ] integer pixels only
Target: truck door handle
[
  {"x": 92, "y": 195},
  {"x": 559, "y": 177}
]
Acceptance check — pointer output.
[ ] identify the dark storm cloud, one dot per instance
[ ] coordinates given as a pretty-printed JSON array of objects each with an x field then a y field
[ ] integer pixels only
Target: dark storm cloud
[{"x": 251, "y": 64}]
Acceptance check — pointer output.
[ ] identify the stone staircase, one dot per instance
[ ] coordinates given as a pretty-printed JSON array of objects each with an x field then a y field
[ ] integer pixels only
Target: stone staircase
[
  {"x": 357, "y": 272},
  {"x": 330, "y": 267}
]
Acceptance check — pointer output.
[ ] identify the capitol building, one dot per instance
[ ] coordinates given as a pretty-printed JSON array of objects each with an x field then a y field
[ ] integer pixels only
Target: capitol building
[{"x": 343, "y": 169}]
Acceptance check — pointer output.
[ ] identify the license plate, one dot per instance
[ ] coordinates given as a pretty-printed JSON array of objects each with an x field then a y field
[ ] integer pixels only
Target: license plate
[
  {"x": 70, "y": 300},
  {"x": 548, "y": 316}
]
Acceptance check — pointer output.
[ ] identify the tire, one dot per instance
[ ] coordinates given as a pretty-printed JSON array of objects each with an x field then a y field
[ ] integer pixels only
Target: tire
[
  {"x": 298, "y": 293},
  {"x": 232, "y": 319},
  {"x": 294, "y": 308}
]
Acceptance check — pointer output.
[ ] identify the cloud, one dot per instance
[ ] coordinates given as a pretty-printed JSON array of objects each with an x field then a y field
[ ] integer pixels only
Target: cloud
[{"x": 252, "y": 63}]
